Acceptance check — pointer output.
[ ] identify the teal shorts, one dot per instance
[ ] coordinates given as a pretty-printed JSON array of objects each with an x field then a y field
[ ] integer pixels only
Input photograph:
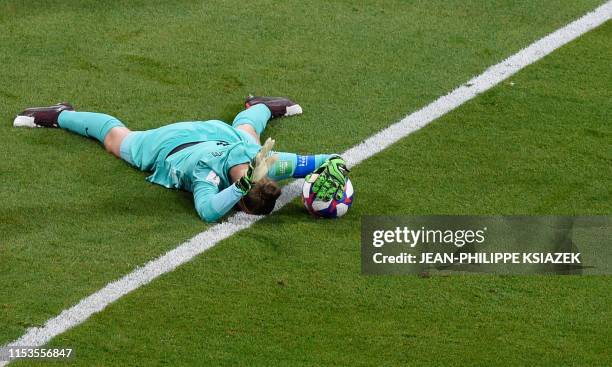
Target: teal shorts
[{"x": 127, "y": 145}]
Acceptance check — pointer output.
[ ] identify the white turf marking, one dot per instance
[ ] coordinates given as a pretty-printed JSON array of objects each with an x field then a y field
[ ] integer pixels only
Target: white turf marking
[{"x": 96, "y": 302}]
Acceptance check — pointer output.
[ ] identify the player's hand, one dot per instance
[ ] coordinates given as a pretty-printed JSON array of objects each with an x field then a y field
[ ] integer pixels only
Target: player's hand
[
  {"x": 246, "y": 181},
  {"x": 263, "y": 162},
  {"x": 335, "y": 167},
  {"x": 331, "y": 178},
  {"x": 326, "y": 187}
]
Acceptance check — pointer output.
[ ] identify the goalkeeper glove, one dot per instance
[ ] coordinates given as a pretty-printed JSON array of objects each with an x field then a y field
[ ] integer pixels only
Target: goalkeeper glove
[
  {"x": 263, "y": 162},
  {"x": 335, "y": 167},
  {"x": 255, "y": 173},
  {"x": 331, "y": 179},
  {"x": 246, "y": 181}
]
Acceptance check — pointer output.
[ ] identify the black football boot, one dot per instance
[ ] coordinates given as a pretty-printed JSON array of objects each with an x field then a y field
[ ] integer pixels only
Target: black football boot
[
  {"x": 279, "y": 106},
  {"x": 41, "y": 116}
]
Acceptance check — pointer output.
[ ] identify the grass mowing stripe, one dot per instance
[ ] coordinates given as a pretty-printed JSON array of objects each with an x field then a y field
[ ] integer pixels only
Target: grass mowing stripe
[{"x": 207, "y": 239}]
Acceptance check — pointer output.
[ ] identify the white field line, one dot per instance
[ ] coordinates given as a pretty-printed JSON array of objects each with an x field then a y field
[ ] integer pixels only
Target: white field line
[{"x": 96, "y": 302}]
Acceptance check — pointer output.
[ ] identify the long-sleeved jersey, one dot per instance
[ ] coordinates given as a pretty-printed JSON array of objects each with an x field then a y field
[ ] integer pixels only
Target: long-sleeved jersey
[{"x": 203, "y": 168}]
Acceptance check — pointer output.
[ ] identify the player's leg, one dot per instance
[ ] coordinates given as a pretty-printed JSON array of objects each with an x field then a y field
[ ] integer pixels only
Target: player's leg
[
  {"x": 291, "y": 165},
  {"x": 114, "y": 138},
  {"x": 253, "y": 120},
  {"x": 95, "y": 125},
  {"x": 107, "y": 129},
  {"x": 138, "y": 148},
  {"x": 259, "y": 110}
]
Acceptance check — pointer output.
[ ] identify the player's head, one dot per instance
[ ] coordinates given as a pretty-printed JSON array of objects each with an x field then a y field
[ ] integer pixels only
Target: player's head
[{"x": 261, "y": 198}]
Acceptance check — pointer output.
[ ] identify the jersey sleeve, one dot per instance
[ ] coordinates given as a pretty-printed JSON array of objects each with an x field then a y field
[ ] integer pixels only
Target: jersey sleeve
[
  {"x": 294, "y": 165},
  {"x": 211, "y": 203}
]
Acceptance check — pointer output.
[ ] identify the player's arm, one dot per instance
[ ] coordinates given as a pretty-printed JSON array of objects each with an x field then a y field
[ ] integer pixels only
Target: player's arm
[
  {"x": 210, "y": 202},
  {"x": 290, "y": 165}
]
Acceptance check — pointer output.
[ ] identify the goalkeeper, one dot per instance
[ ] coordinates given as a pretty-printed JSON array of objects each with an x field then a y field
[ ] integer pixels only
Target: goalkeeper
[{"x": 223, "y": 166}]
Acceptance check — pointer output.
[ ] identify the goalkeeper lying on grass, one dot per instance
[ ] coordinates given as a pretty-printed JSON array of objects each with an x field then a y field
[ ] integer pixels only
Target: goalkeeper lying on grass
[{"x": 224, "y": 166}]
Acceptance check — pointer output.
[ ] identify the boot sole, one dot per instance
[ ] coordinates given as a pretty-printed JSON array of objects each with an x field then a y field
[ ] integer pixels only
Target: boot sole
[
  {"x": 24, "y": 121},
  {"x": 296, "y": 109}
]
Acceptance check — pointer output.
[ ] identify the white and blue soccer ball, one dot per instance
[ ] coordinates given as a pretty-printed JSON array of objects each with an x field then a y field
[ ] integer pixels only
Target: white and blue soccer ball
[{"x": 333, "y": 208}]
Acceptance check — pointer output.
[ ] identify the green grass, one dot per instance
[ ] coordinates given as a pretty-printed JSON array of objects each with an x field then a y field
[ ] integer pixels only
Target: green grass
[{"x": 288, "y": 291}]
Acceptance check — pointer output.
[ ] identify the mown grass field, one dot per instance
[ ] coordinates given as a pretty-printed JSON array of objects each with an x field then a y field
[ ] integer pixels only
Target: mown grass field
[{"x": 288, "y": 291}]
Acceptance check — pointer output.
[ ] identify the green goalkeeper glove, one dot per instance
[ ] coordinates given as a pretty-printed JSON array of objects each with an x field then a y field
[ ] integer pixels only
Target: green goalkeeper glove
[
  {"x": 335, "y": 167},
  {"x": 331, "y": 178},
  {"x": 246, "y": 181}
]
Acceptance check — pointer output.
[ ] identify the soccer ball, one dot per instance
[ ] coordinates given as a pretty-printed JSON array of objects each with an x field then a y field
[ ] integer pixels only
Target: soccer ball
[{"x": 334, "y": 208}]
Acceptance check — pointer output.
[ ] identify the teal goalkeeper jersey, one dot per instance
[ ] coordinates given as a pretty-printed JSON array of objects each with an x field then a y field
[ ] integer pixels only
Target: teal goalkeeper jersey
[
  {"x": 221, "y": 148},
  {"x": 203, "y": 168}
]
